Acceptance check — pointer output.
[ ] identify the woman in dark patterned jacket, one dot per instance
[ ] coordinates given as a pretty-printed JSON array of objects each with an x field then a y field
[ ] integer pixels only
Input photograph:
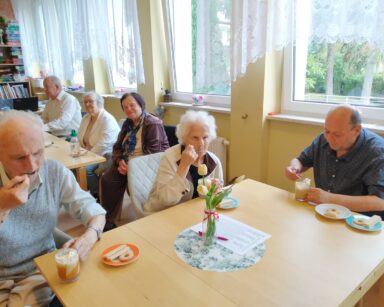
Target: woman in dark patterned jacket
[{"x": 141, "y": 134}]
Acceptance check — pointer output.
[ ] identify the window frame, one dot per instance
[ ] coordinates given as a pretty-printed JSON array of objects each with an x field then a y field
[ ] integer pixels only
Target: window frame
[
  {"x": 370, "y": 115},
  {"x": 185, "y": 97}
]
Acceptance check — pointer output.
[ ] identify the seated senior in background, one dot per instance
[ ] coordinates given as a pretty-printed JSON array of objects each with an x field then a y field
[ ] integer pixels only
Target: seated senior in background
[
  {"x": 62, "y": 112},
  {"x": 97, "y": 133},
  {"x": 348, "y": 164},
  {"x": 32, "y": 190},
  {"x": 141, "y": 134},
  {"x": 177, "y": 178}
]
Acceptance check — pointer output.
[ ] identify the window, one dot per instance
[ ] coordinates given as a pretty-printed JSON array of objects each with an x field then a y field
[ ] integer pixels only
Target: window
[
  {"x": 319, "y": 75},
  {"x": 199, "y": 44},
  {"x": 126, "y": 59},
  {"x": 59, "y": 35}
]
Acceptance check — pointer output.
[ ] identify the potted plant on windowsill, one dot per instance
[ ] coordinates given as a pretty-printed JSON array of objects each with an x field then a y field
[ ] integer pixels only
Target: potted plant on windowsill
[{"x": 167, "y": 95}]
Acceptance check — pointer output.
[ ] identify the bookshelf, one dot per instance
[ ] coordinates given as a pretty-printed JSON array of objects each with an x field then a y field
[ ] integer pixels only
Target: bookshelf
[{"x": 13, "y": 82}]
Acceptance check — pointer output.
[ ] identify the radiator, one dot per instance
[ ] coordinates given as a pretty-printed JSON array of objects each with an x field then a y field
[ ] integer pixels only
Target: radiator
[{"x": 219, "y": 147}]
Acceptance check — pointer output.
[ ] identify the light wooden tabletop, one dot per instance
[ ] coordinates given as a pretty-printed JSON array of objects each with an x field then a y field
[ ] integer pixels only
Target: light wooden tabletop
[
  {"x": 309, "y": 260},
  {"x": 58, "y": 149}
]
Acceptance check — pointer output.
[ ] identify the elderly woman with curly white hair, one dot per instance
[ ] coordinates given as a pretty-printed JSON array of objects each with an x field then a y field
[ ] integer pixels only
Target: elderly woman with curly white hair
[
  {"x": 98, "y": 132},
  {"x": 177, "y": 178}
]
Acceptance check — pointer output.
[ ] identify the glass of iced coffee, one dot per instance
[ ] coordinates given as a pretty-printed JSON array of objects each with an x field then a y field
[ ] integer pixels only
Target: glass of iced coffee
[
  {"x": 68, "y": 264},
  {"x": 302, "y": 187}
]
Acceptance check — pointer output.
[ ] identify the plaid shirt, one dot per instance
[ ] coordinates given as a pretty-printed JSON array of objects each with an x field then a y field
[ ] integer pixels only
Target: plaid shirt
[{"x": 358, "y": 172}]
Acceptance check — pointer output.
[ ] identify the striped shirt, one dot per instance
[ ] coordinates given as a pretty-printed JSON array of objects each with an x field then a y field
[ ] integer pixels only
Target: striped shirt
[{"x": 359, "y": 172}]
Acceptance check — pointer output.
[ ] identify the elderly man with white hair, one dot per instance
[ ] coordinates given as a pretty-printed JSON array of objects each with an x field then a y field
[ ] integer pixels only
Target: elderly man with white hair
[
  {"x": 97, "y": 133},
  {"x": 32, "y": 191},
  {"x": 62, "y": 112},
  {"x": 177, "y": 178}
]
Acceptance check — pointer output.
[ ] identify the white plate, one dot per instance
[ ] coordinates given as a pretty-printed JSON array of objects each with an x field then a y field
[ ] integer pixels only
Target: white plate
[
  {"x": 343, "y": 212},
  {"x": 82, "y": 152}
]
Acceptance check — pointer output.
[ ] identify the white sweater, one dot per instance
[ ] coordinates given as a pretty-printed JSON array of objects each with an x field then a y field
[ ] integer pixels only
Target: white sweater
[
  {"x": 103, "y": 134},
  {"x": 62, "y": 114}
]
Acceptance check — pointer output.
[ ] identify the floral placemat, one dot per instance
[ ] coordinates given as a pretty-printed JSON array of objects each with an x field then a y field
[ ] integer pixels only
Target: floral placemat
[{"x": 191, "y": 249}]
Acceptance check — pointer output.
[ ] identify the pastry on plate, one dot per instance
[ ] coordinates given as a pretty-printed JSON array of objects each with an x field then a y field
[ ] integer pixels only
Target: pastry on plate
[{"x": 332, "y": 213}]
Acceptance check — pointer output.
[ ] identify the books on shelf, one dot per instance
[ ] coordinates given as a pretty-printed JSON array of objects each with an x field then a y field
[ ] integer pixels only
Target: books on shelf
[
  {"x": 11, "y": 58},
  {"x": 13, "y": 33},
  {"x": 8, "y": 91}
]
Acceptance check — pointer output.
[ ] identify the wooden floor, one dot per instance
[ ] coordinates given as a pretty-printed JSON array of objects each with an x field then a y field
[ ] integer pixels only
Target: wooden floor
[{"x": 75, "y": 229}]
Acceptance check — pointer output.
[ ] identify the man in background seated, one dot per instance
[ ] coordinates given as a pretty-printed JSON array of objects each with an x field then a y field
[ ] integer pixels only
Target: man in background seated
[
  {"x": 62, "y": 112},
  {"x": 32, "y": 190},
  {"x": 348, "y": 164}
]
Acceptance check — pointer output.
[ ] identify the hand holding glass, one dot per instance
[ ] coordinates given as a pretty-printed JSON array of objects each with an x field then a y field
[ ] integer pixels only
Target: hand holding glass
[{"x": 302, "y": 187}]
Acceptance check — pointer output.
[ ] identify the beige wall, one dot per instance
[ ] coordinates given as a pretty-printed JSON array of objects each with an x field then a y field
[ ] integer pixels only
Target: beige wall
[
  {"x": 286, "y": 140},
  {"x": 6, "y": 9},
  {"x": 154, "y": 51}
]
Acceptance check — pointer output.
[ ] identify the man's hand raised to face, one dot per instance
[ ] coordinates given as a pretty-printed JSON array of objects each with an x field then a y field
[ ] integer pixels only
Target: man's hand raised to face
[{"x": 15, "y": 192}]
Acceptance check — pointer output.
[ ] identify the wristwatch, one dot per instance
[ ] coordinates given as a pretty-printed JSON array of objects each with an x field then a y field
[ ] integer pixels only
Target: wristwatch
[{"x": 97, "y": 230}]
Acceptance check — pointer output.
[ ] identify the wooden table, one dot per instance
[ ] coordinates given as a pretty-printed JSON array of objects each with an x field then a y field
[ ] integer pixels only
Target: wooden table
[
  {"x": 59, "y": 151},
  {"x": 309, "y": 260}
]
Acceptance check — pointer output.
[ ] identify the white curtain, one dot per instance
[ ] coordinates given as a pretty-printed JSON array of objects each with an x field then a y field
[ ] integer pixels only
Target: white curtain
[
  {"x": 259, "y": 26},
  {"x": 57, "y": 35},
  {"x": 347, "y": 20},
  {"x": 44, "y": 30},
  {"x": 126, "y": 55},
  {"x": 212, "y": 52}
]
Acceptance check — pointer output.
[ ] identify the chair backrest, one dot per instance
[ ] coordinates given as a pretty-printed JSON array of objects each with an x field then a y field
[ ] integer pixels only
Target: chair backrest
[
  {"x": 171, "y": 134},
  {"x": 141, "y": 176}
]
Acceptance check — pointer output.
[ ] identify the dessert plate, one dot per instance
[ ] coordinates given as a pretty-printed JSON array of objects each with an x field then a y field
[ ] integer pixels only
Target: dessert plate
[
  {"x": 48, "y": 144},
  {"x": 81, "y": 152},
  {"x": 332, "y": 211},
  {"x": 133, "y": 247},
  {"x": 350, "y": 221},
  {"x": 228, "y": 203}
]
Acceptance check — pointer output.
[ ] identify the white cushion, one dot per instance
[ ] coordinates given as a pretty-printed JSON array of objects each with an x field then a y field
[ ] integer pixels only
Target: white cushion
[{"x": 141, "y": 175}]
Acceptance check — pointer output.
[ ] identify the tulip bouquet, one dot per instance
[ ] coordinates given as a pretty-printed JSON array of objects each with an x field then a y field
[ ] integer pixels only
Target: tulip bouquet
[{"x": 214, "y": 194}]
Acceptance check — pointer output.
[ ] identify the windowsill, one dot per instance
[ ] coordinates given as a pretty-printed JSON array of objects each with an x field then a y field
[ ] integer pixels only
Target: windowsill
[
  {"x": 116, "y": 96},
  {"x": 208, "y": 108},
  {"x": 379, "y": 129}
]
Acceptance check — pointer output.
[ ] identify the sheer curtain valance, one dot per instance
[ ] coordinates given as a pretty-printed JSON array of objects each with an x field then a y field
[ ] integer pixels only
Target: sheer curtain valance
[
  {"x": 57, "y": 35},
  {"x": 259, "y": 26}
]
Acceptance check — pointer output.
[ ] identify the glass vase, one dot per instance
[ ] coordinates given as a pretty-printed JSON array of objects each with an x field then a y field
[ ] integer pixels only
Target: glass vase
[{"x": 209, "y": 226}]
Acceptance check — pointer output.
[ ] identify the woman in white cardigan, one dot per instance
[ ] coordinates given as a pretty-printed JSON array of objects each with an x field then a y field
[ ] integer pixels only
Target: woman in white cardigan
[
  {"x": 98, "y": 132},
  {"x": 177, "y": 177}
]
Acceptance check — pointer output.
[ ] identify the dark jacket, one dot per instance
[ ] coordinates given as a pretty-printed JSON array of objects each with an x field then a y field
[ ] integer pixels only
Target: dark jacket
[{"x": 153, "y": 138}]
